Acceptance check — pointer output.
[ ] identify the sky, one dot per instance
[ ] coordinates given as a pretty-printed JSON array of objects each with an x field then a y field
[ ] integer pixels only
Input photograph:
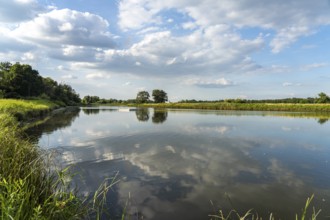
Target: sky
[{"x": 191, "y": 49}]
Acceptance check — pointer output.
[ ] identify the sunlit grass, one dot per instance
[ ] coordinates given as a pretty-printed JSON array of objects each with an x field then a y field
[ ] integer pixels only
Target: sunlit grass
[
  {"x": 25, "y": 109},
  {"x": 250, "y": 215},
  {"x": 244, "y": 106},
  {"x": 30, "y": 185}
]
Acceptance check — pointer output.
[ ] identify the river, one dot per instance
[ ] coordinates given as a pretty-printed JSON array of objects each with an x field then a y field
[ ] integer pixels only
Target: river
[{"x": 188, "y": 164}]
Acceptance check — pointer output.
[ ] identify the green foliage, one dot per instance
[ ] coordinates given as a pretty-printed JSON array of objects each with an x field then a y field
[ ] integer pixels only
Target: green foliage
[
  {"x": 24, "y": 109},
  {"x": 245, "y": 106},
  {"x": 30, "y": 185},
  {"x": 323, "y": 98},
  {"x": 159, "y": 96},
  {"x": 142, "y": 97},
  {"x": 21, "y": 81},
  {"x": 234, "y": 215},
  {"x": 90, "y": 99}
]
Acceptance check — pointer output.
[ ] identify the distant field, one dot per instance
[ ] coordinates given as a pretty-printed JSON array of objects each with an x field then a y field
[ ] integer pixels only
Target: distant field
[
  {"x": 23, "y": 109},
  {"x": 245, "y": 106}
]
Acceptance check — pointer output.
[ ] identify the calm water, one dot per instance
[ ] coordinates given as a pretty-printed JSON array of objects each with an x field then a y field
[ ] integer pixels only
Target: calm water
[{"x": 172, "y": 164}]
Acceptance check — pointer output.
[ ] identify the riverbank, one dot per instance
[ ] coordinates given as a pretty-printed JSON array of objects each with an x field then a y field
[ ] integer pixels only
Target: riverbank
[
  {"x": 241, "y": 106},
  {"x": 30, "y": 188}
]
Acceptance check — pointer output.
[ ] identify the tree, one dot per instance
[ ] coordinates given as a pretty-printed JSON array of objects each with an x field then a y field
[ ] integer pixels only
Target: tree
[
  {"x": 90, "y": 99},
  {"x": 323, "y": 98},
  {"x": 142, "y": 97},
  {"x": 159, "y": 96},
  {"x": 20, "y": 80}
]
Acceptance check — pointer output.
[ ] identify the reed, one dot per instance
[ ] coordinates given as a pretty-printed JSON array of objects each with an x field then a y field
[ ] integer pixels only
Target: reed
[
  {"x": 26, "y": 109},
  {"x": 31, "y": 187},
  {"x": 250, "y": 215},
  {"x": 243, "y": 106}
]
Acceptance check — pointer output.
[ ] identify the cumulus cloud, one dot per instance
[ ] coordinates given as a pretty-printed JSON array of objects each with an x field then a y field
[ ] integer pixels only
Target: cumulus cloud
[
  {"x": 213, "y": 50},
  {"x": 289, "y": 19},
  {"x": 97, "y": 76},
  {"x": 286, "y": 84},
  {"x": 69, "y": 76},
  {"x": 216, "y": 83},
  {"x": 66, "y": 27}
]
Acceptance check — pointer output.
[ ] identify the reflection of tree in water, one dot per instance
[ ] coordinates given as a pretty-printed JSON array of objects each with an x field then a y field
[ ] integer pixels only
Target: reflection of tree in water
[
  {"x": 91, "y": 111},
  {"x": 57, "y": 121},
  {"x": 322, "y": 120},
  {"x": 142, "y": 114},
  {"x": 159, "y": 116},
  {"x": 95, "y": 111}
]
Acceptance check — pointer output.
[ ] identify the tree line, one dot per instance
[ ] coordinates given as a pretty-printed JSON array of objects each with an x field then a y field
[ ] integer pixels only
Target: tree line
[
  {"x": 22, "y": 81},
  {"x": 321, "y": 98},
  {"x": 158, "y": 96}
]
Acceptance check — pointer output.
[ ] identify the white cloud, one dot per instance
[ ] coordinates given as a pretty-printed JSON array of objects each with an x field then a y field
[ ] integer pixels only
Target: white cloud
[
  {"x": 69, "y": 76},
  {"x": 213, "y": 50},
  {"x": 286, "y": 84},
  {"x": 189, "y": 25},
  {"x": 97, "y": 76},
  {"x": 290, "y": 19},
  {"x": 28, "y": 56},
  {"x": 287, "y": 36},
  {"x": 216, "y": 83},
  {"x": 66, "y": 27},
  {"x": 133, "y": 15}
]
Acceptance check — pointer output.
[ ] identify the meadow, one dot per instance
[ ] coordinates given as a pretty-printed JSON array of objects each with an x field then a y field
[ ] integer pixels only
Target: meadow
[{"x": 244, "y": 106}]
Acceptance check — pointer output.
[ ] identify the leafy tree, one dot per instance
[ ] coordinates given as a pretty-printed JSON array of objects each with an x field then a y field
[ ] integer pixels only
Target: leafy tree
[
  {"x": 20, "y": 80},
  {"x": 90, "y": 99},
  {"x": 159, "y": 96},
  {"x": 50, "y": 86},
  {"x": 142, "y": 97},
  {"x": 323, "y": 98}
]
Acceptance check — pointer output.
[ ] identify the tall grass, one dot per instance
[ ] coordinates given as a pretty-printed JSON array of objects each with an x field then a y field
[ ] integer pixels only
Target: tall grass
[
  {"x": 244, "y": 106},
  {"x": 30, "y": 187},
  {"x": 250, "y": 215},
  {"x": 26, "y": 109}
]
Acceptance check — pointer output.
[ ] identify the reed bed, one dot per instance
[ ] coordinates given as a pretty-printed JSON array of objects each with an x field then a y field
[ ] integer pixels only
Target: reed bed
[
  {"x": 244, "y": 106},
  {"x": 31, "y": 187},
  {"x": 26, "y": 109}
]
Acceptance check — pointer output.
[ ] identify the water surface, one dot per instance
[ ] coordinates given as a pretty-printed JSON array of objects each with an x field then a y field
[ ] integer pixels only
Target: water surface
[{"x": 186, "y": 164}]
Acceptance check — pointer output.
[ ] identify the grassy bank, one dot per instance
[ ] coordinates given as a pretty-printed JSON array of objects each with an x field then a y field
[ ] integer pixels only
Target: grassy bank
[
  {"x": 243, "y": 106},
  {"x": 30, "y": 188},
  {"x": 26, "y": 109}
]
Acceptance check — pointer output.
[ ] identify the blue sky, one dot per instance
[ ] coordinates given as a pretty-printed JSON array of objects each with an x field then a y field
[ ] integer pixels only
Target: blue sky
[{"x": 208, "y": 49}]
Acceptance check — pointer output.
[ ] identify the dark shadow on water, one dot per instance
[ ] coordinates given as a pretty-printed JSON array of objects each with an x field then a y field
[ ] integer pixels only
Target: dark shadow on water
[
  {"x": 96, "y": 110},
  {"x": 159, "y": 116},
  {"x": 142, "y": 114},
  {"x": 56, "y": 121},
  {"x": 323, "y": 120}
]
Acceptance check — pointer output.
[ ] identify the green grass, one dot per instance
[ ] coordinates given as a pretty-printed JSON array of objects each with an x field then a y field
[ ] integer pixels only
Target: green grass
[
  {"x": 26, "y": 109},
  {"x": 249, "y": 215},
  {"x": 30, "y": 187},
  {"x": 243, "y": 106}
]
